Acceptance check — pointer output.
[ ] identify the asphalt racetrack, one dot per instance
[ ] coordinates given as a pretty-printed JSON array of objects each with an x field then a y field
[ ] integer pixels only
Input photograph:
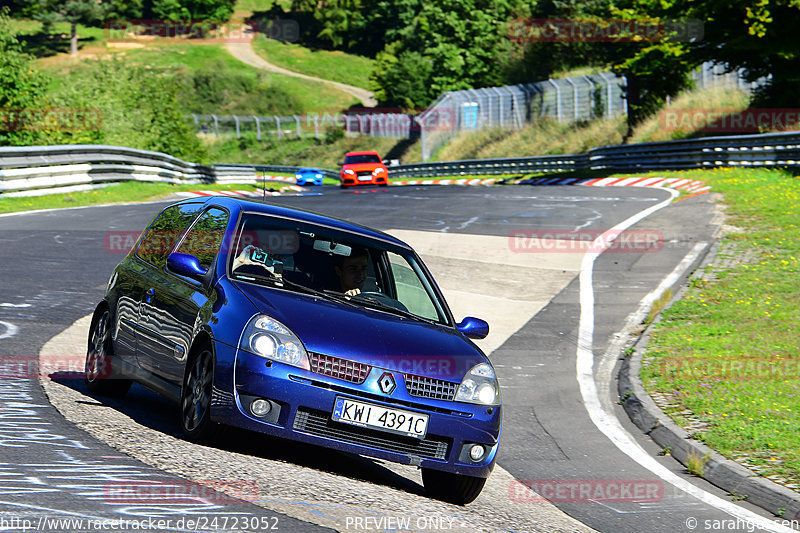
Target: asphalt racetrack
[{"x": 499, "y": 253}]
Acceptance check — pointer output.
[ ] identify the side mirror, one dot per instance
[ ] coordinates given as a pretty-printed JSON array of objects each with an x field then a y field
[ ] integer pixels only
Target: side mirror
[
  {"x": 474, "y": 328},
  {"x": 186, "y": 265},
  {"x": 340, "y": 163}
]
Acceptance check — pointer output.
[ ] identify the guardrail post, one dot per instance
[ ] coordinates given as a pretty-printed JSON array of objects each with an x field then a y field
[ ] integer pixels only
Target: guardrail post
[
  {"x": 316, "y": 126},
  {"x": 278, "y": 125},
  {"x": 216, "y": 125},
  {"x": 297, "y": 121},
  {"x": 236, "y": 120}
]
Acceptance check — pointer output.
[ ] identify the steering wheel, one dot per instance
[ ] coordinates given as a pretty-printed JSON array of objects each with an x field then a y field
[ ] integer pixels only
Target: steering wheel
[{"x": 382, "y": 298}]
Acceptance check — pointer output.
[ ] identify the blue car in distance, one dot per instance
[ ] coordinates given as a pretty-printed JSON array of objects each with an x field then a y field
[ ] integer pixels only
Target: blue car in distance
[
  {"x": 300, "y": 326},
  {"x": 308, "y": 176}
]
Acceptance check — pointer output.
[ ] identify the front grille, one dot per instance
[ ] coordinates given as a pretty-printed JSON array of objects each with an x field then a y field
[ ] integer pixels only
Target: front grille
[
  {"x": 435, "y": 389},
  {"x": 318, "y": 423},
  {"x": 338, "y": 368},
  {"x": 364, "y": 173}
]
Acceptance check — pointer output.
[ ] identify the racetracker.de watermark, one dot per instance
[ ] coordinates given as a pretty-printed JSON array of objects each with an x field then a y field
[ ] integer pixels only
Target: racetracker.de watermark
[
  {"x": 724, "y": 368},
  {"x": 729, "y": 120},
  {"x": 387, "y": 119},
  {"x": 529, "y": 30},
  {"x": 66, "y": 366},
  {"x": 118, "y": 31},
  {"x": 163, "y": 242},
  {"x": 50, "y": 119},
  {"x": 179, "y": 491},
  {"x": 586, "y": 490},
  {"x": 585, "y": 241}
]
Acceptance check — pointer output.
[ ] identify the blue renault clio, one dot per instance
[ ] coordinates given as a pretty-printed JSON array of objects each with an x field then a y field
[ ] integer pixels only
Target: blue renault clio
[{"x": 300, "y": 326}]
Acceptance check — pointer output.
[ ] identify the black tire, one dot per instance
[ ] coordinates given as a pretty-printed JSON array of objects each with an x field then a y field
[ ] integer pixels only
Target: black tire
[
  {"x": 99, "y": 361},
  {"x": 195, "y": 413},
  {"x": 452, "y": 488}
]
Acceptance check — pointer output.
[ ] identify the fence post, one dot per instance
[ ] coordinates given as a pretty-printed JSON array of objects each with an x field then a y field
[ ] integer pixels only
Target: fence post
[
  {"x": 574, "y": 99},
  {"x": 278, "y": 125},
  {"x": 316, "y": 126},
  {"x": 558, "y": 98},
  {"x": 258, "y": 127},
  {"x": 216, "y": 125},
  {"x": 297, "y": 121},
  {"x": 236, "y": 121},
  {"x": 591, "y": 95},
  {"x": 609, "y": 97}
]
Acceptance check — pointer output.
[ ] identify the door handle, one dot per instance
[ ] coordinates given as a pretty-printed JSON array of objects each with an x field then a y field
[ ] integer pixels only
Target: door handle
[{"x": 149, "y": 295}]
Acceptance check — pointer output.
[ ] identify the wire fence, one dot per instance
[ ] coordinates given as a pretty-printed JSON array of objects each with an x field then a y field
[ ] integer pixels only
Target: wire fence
[{"x": 569, "y": 100}]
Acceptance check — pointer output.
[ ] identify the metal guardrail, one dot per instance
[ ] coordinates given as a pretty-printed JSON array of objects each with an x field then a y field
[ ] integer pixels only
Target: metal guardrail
[
  {"x": 33, "y": 170},
  {"x": 760, "y": 150},
  {"x": 50, "y": 169}
]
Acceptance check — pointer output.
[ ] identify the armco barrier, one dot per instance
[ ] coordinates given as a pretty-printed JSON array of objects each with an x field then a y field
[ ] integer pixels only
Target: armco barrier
[{"x": 40, "y": 169}]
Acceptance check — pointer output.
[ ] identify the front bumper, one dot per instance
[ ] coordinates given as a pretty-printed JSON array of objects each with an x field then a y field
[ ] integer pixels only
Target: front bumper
[
  {"x": 349, "y": 180},
  {"x": 302, "y": 402}
]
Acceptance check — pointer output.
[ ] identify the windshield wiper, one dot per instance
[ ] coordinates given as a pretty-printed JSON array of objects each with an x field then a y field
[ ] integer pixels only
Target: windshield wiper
[
  {"x": 322, "y": 294},
  {"x": 374, "y": 303}
]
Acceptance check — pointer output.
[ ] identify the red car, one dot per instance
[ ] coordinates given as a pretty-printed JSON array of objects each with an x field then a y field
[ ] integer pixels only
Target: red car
[{"x": 363, "y": 168}]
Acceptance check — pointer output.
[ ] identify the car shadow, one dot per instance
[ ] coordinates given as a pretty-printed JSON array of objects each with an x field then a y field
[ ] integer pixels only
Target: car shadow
[{"x": 155, "y": 412}]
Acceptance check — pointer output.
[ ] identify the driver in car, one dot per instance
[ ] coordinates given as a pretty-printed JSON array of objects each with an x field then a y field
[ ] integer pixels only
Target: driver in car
[{"x": 352, "y": 271}]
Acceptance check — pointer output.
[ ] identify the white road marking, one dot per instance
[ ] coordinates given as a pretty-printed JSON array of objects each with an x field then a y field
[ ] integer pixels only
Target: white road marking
[
  {"x": 10, "y": 331},
  {"x": 604, "y": 419},
  {"x": 14, "y": 305}
]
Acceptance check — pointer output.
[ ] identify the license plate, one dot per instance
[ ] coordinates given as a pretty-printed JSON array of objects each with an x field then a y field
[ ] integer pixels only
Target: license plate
[
  {"x": 382, "y": 418},
  {"x": 365, "y": 178}
]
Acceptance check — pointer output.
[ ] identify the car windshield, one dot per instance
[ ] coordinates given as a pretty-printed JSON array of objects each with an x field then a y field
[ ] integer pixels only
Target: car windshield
[
  {"x": 361, "y": 158},
  {"x": 338, "y": 265}
]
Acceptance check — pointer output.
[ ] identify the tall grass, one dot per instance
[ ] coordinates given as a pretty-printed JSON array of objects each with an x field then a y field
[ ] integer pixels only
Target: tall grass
[{"x": 542, "y": 137}]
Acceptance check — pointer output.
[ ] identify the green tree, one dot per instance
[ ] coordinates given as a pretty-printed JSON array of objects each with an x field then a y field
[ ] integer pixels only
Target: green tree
[
  {"x": 757, "y": 36},
  {"x": 184, "y": 10},
  {"x": 457, "y": 45},
  {"x": 88, "y": 12},
  {"x": 21, "y": 87}
]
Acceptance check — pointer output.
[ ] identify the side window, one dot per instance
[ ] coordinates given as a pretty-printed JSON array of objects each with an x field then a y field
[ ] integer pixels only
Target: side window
[
  {"x": 205, "y": 237},
  {"x": 165, "y": 231},
  {"x": 410, "y": 290}
]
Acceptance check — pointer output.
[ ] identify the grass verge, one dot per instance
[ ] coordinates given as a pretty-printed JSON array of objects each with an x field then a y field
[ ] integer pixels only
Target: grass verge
[
  {"x": 326, "y": 64},
  {"x": 131, "y": 191},
  {"x": 726, "y": 355}
]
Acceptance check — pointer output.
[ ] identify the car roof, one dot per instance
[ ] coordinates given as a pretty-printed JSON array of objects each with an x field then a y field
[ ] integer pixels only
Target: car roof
[
  {"x": 365, "y": 152},
  {"x": 308, "y": 169},
  {"x": 302, "y": 215}
]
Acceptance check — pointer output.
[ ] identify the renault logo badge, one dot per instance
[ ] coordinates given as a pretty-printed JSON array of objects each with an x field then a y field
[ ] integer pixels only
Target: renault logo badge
[{"x": 386, "y": 383}]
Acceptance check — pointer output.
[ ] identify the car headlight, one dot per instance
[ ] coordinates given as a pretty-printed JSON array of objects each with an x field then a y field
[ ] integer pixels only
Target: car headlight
[
  {"x": 318, "y": 176},
  {"x": 266, "y": 337},
  {"x": 479, "y": 386},
  {"x": 348, "y": 171},
  {"x": 379, "y": 170}
]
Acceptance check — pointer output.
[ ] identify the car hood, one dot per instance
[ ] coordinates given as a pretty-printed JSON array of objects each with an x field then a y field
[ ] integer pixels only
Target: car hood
[
  {"x": 368, "y": 336},
  {"x": 363, "y": 166}
]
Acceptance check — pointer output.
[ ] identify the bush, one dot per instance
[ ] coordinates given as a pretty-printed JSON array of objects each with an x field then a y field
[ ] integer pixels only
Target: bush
[
  {"x": 140, "y": 108},
  {"x": 221, "y": 90},
  {"x": 21, "y": 87}
]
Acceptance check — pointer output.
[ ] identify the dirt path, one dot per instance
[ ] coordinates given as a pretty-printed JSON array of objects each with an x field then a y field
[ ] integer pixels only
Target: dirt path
[{"x": 243, "y": 51}]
